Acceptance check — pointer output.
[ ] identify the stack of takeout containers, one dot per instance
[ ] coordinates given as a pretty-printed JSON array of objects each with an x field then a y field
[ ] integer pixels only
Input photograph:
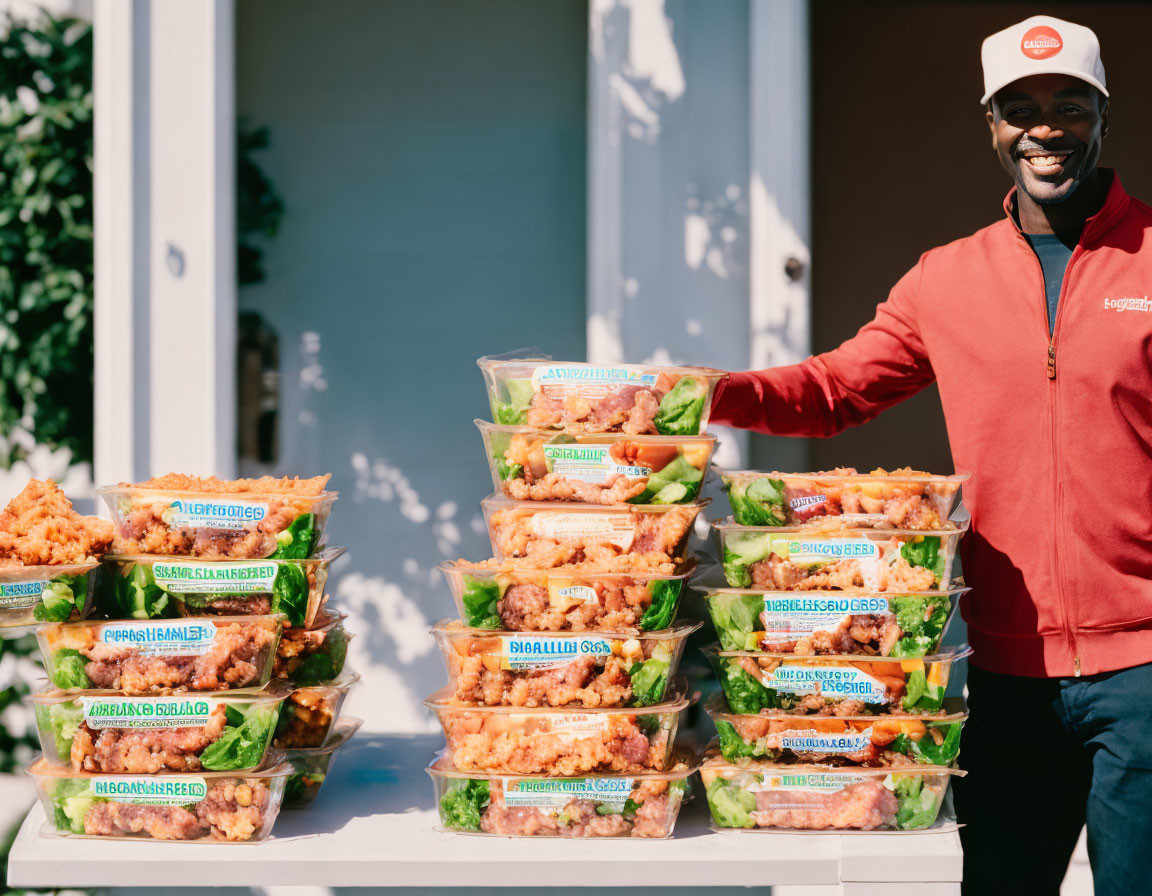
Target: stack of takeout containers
[
  {"x": 215, "y": 644},
  {"x": 563, "y": 706},
  {"x": 838, "y": 591}
]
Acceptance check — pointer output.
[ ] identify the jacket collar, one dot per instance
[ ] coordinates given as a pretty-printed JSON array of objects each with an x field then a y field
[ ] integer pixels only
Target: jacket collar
[{"x": 1115, "y": 205}]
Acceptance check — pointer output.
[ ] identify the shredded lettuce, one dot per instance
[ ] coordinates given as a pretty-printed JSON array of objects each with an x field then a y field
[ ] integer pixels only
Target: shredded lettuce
[
  {"x": 627, "y": 809},
  {"x": 480, "y": 599},
  {"x": 921, "y": 621},
  {"x": 71, "y": 801},
  {"x": 759, "y": 503},
  {"x": 926, "y": 750},
  {"x": 67, "y": 669},
  {"x": 511, "y": 407},
  {"x": 919, "y": 805},
  {"x": 244, "y": 740},
  {"x": 463, "y": 803},
  {"x": 650, "y": 678},
  {"x": 737, "y": 618},
  {"x": 59, "y": 721},
  {"x": 682, "y": 409},
  {"x": 740, "y": 552},
  {"x": 733, "y": 746},
  {"x": 925, "y": 553},
  {"x": 61, "y": 597},
  {"x": 731, "y": 806},
  {"x": 919, "y": 695},
  {"x": 746, "y": 695},
  {"x": 662, "y": 610}
]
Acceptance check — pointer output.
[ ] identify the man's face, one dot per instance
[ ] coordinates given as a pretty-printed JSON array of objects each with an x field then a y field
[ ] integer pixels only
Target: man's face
[{"x": 1047, "y": 130}]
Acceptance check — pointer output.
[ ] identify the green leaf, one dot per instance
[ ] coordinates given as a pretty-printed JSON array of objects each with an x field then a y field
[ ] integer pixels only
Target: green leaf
[
  {"x": 759, "y": 503},
  {"x": 746, "y": 695},
  {"x": 733, "y": 746},
  {"x": 918, "y": 805},
  {"x": 925, "y": 553},
  {"x": 928, "y": 751},
  {"x": 243, "y": 746},
  {"x": 682, "y": 408},
  {"x": 512, "y": 408},
  {"x": 736, "y": 618},
  {"x": 297, "y": 541},
  {"x": 58, "y": 599},
  {"x": 463, "y": 803},
  {"x": 649, "y": 680},
  {"x": 662, "y": 610},
  {"x": 290, "y": 592},
  {"x": 68, "y": 669},
  {"x": 677, "y": 483},
  {"x": 731, "y": 806},
  {"x": 481, "y": 598}
]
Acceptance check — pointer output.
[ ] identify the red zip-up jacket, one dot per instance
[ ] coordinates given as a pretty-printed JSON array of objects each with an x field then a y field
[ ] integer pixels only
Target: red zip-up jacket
[{"x": 1056, "y": 432}]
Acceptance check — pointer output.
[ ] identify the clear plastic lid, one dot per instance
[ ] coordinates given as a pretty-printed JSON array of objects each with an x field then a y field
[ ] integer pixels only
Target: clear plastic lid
[
  {"x": 907, "y": 664},
  {"x": 452, "y": 629},
  {"x": 912, "y": 477},
  {"x": 704, "y": 440},
  {"x": 708, "y": 591},
  {"x": 683, "y": 764},
  {"x": 519, "y": 571},
  {"x": 495, "y": 503},
  {"x": 675, "y": 701},
  {"x": 524, "y": 363},
  {"x": 729, "y": 526},
  {"x": 17, "y": 574},
  {"x": 126, "y": 490},
  {"x": 39, "y": 767},
  {"x": 341, "y": 732},
  {"x": 953, "y": 709},
  {"x": 51, "y": 697},
  {"x": 341, "y": 685},
  {"x": 715, "y": 762},
  {"x": 323, "y": 557}
]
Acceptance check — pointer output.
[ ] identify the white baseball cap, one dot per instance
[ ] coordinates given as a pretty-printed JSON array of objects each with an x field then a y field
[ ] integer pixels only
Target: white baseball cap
[{"x": 1041, "y": 45}]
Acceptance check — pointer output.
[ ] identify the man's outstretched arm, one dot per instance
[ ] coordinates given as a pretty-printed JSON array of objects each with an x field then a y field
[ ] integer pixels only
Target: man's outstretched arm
[{"x": 881, "y": 365}]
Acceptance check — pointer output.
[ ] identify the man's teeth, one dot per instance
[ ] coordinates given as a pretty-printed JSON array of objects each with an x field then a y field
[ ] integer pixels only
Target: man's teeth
[{"x": 1046, "y": 161}]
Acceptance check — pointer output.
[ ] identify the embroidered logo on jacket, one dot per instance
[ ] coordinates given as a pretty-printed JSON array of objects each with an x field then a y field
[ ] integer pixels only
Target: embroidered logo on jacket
[{"x": 1129, "y": 303}]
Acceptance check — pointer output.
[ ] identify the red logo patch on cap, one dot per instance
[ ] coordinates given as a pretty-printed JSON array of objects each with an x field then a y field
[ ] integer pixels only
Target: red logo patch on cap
[{"x": 1041, "y": 42}]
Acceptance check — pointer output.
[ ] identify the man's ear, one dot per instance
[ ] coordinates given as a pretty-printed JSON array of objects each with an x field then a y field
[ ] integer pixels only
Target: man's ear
[{"x": 991, "y": 119}]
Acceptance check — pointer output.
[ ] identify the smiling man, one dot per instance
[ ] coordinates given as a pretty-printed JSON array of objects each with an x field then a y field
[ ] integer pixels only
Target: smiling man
[{"x": 1038, "y": 332}]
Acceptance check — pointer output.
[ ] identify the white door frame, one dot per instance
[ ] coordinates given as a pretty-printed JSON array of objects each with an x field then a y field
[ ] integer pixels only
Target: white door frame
[{"x": 165, "y": 251}]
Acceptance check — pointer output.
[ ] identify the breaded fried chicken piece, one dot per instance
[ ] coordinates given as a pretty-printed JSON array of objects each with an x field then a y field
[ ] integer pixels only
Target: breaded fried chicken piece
[{"x": 39, "y": 527}]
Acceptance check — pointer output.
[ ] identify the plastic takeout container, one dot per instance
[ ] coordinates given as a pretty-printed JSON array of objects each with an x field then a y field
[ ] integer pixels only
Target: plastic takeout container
[
  {"x": 561, "y": 668},
  {"x": 838, "y": 558},
  {"x": 637, "y": 805},
  {"x": 215, "y": 525},
  {"x": 772, "y": 796},
  {"x": 309, "y": 712},
  {"x": 220, "y": 653},
  {"x": 880, "y": 741},
  {"x": 149, "y": 587},
  {"x": 516, "y": 597},
  {"x": 599, "y": 468},
  {"x": 565, "y": 742},
  {"x": 754, "y": 682},
  {"x": 837, "y": 622},
  {"x": 32, "y": 594},
  {"x": 897, "y": 499},
  {"x": 313, "y": 655},
  {"x": 643, "y": 399},
  {"x": 204, "y": 807},
  {"x": 114, "y": 733},
  {"x": 556, "y": 534},
  {"x": 310, "y": 767}
]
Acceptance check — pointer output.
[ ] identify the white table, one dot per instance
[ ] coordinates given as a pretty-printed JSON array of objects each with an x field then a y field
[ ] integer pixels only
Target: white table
[{"x": 373, "y": 825}]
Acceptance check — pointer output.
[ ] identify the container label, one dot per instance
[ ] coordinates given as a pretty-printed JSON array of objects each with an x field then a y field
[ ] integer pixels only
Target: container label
[
  {"x": 813, "y": 741},
  {"x": 545, "y": 793},
  {"x": 811, "y": 782},
  {"x": 615, "y": 528},
  {"x": 589, "y": 381},
  {"x": 803, "y": 502},
  {"x": 531, "y": 652},
  {"x": 589, "y": 463},
  {"x": 789, "y": 617},
  {"x": 147, "y": 712},
  {"x": 575, "y": 594},
  {"x": 565, "y": 725},
  {"x": 843, "y": 682},
  {"x": 825, "y": 550},
  {"x": 163, "y": 638},
  {"x": 21, "y": 595},
  {"x": 142, "y": 790},
  {"x": 195, "y": 513},
  {"x": 241, "y": 577}
]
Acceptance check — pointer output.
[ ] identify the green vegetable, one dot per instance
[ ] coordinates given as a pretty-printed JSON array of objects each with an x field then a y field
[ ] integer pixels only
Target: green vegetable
[
  {"x": 480, "y": 599},
  {"x": 290, "y": 592},
  {"x": 919, "y": 696},
  {"x": 59, "y": 598},
  {"x": 134, "y": 595},
  {"x": 500, "y": 442},
  {"x": 508, "y": 471},
  {"x": 71, "y": 801},
  {"x": 297, "y": 541},
  {"x": 326, "y": 663},
  {"x": 746, "y": 695},
  {"x": 733, "y": 746},
  {"x": 463, "y": 802},
  {"x": 628, "y": 809},
  {"x": 760, "y": 503},
  {"x": 918, "y": 804},
  {"x": 731, "y": 806},
  {"x": 925, "y": 553},
  {"x": 68, "y": 669},
  {"x": 926, "y": 749},
  {"x": 61, "y": 721},
  {"x": 677, "y": 483},
  {"x": 682, "y": 408},
  {"x": 511, "y": 408},
  {"x": 921, "y": 621},
  {"x": 662, "y": 610},
  {"x": 650, "y": 678},
  {"x": 737, "y": 618},
  {"x": 740, "y": 552},
  {"x": 241, "y": 746}
]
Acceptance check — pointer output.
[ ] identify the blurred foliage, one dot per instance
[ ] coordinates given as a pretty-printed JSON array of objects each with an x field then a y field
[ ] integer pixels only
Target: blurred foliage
[
  {"x": 259, "y": 207},
  {"x": 46, "y": 234}
]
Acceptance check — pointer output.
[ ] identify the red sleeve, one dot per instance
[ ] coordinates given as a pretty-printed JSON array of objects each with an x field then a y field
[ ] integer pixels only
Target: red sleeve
[{"x": 881, "y": 365}]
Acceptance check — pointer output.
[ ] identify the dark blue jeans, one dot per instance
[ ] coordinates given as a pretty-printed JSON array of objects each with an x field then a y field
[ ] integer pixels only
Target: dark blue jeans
[{"x": 1045, "y": 756}]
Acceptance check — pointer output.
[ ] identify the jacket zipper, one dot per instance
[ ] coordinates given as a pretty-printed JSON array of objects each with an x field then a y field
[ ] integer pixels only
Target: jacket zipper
[{"x": 1069, "y": 630}]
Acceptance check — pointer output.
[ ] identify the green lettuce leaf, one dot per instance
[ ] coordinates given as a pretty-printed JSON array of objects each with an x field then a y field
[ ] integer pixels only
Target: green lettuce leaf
[
  {"x": 731, "y": 806},
  {"x": 921, "y": 621},
  {"x": 918, "y": 804},
  {"x": 919, "y": 696},
  {"x": 925, "y": 553},
  {"x": 463, "y": 803},
  {"x": 927, "y": 751},
  {"x": 677, "y": 483},
  {"x": 736, "y": 617},
  {"x": 746, "y": 695},
  {"x": 511, "y": 408},
  {"x": 68, "y": 669},
  {"x": 760, "y": 503},
  {"x": 682, "y": 408},
  {"x": 662, "y": 610},
  {"x": 70, "y": 803},
  {"x": 242, "y": 746},
  {"x": 290, "y": 592},
  {"x": 627, "y": 809},
  {"x": 649, "y": 679},
  {"x": 61, "y": 597},
  {"x": 733, "y": 746},
  {"x": 298, "y": 540},
  {"x": 59, "y": 721},
  {"x": 480, "y": 599}
]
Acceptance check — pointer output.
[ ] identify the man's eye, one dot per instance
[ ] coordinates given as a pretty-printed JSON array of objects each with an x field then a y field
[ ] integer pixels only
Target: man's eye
[
  {"x": 1019, "y": 112},
  {"x": 1070, "y": 110}
]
